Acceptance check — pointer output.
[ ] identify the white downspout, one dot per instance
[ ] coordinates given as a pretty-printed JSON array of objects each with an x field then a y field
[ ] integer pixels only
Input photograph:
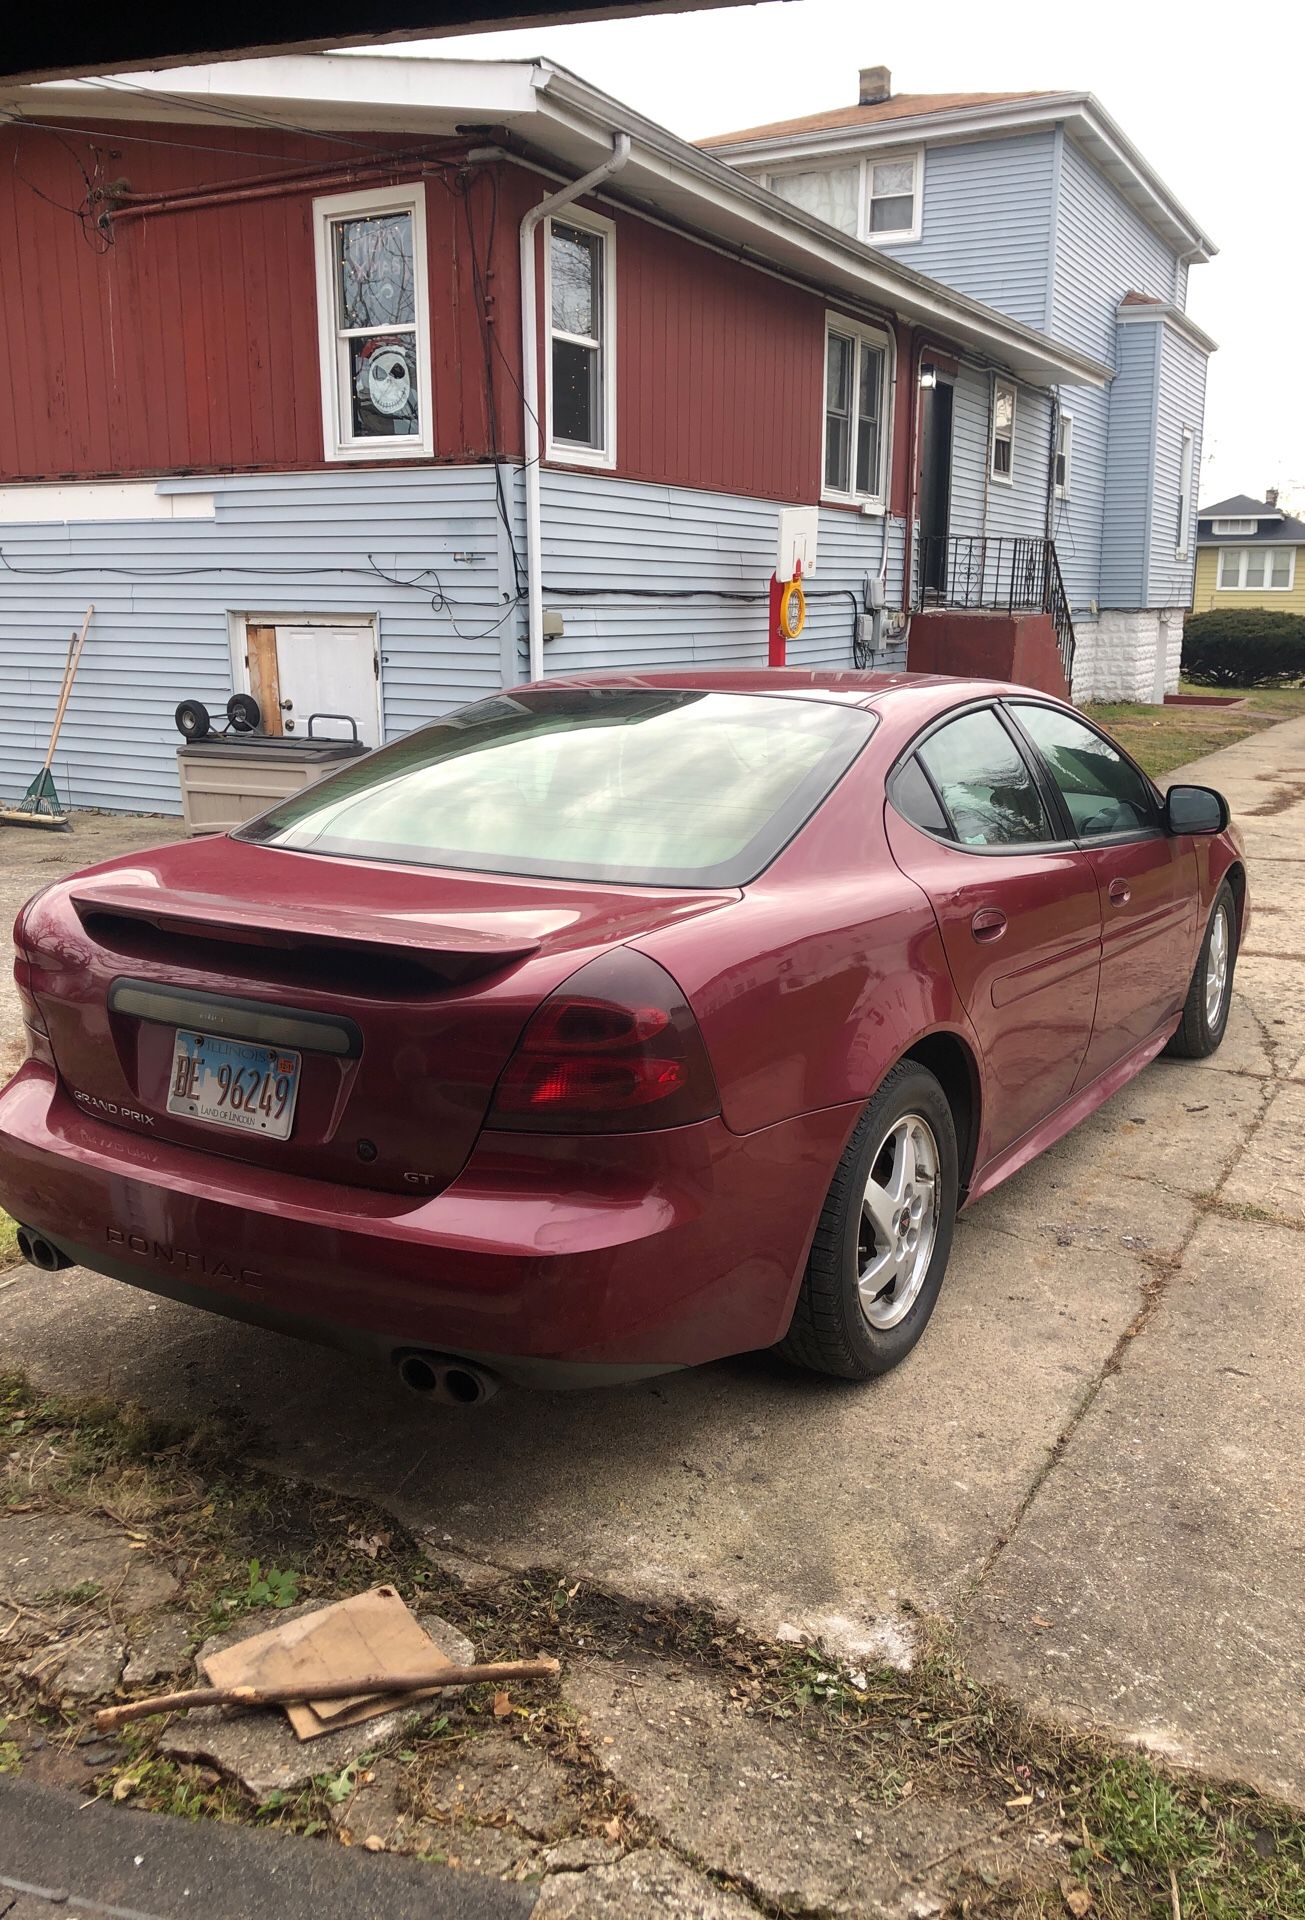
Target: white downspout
[{"x": 530, "y": 386}]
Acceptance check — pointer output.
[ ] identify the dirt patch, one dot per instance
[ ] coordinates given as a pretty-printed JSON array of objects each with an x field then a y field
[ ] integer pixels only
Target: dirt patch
[{"x": 1283, "y": 796}]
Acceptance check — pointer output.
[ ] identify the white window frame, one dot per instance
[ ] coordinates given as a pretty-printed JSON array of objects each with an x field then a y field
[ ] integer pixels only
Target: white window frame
[
  {"x": 860, "y": 334},
  {"x": 568, "y": 452},
  {"x": 1064, "y": 451},
  {"x": 1003, "y": 479},
  {"x": 1185, "y": 459},
  {"x": 897, "y": 235},
  {"x": 1234, "y": 526},
  {"x": 1242, "y": 556},
  {"x": 339, "y": 442},
  {"x": 843, "y": 163}
]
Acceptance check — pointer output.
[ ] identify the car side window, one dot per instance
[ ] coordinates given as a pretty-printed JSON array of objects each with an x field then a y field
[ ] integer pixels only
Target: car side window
[
  {"x": 1103, "y": 793},
  {"x": 985, "y": 783},
  {"x": 916, "y": 800}
]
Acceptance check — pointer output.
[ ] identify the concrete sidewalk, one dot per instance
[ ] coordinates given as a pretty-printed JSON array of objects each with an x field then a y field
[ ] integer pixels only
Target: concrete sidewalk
[{"x": 1090, "y": 1464}]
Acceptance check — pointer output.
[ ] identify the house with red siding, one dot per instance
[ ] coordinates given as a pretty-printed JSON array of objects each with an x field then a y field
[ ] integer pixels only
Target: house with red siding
[{"x": 373, "y": 385}]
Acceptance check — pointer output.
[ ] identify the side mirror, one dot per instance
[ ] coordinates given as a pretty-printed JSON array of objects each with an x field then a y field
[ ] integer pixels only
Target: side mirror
[{"x": 1195, "y": 810}]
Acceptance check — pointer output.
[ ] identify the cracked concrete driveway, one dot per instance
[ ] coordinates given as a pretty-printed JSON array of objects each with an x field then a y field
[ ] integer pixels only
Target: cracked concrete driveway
[{"x": 1091, "y": 1464}]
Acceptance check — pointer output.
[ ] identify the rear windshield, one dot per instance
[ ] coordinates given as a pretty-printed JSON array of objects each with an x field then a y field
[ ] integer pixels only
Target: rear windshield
[{"x": 636, "y": 785}]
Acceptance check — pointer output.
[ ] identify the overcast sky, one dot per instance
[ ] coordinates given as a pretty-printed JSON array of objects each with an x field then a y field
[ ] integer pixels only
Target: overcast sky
[{"x": 1219, "y": 112}]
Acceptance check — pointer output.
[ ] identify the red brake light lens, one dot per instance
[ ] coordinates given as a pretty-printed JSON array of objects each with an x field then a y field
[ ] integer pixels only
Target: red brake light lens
[{"x": 616, "y": 1049}]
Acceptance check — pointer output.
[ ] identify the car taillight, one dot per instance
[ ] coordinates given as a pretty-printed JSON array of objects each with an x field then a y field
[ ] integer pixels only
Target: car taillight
[{"x": 614, "y": 1050}]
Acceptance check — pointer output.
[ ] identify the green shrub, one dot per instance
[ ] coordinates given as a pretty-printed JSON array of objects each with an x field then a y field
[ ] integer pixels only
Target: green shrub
[{"x": 1244, "y": 647}]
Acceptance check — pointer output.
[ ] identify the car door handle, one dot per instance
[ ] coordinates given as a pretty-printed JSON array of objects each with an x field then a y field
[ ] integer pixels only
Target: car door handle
[
  {"x": 988, "y": 924},
  {"x": 1120, "y": 892}
]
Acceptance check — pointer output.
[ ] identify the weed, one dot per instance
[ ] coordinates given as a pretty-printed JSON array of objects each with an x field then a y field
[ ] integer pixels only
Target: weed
[{"x": 270, "y": 1588}]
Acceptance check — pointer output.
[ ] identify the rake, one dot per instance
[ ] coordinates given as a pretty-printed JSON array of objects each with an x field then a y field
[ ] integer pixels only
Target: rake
[{"x": 40, "y": 806}]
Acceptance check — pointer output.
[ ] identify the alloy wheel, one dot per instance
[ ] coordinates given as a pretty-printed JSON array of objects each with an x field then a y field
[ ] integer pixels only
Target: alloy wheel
[
  {"x": 899, "y": 1222},
  {"x": 1216, "y": 967}
]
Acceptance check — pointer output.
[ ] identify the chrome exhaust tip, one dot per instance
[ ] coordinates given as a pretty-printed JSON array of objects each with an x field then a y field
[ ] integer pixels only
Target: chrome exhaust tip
[
  {"x": 448, "y": 1381},
  {"x": 40, "y": 1252}
]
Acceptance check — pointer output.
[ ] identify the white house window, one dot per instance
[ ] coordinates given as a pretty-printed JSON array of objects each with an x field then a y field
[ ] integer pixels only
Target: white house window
[
  {"x": 373, "y": 321},
  {"x": 580, "y": 299},
  {"x": 832, "y": 194},
  {"x": 1234, "y": 526},
  {"x": 855, "y": 421},
  {"x": 1184, "y": 497},
  {"x": 1064, "y": 454},
  {"x": 877, "y": 198},
  {"x": 1257, "y": 569},
  {"x": 1003, "y": 432},
  {"x": 893, "y": 197}
]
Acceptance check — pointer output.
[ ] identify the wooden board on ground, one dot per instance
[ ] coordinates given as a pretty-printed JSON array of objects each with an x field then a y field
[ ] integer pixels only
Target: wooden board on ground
[{"x": 372, "y": 1633}]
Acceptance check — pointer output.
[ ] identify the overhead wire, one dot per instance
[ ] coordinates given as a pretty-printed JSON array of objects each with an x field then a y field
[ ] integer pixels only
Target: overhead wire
[{"x": 114, "y": 84}]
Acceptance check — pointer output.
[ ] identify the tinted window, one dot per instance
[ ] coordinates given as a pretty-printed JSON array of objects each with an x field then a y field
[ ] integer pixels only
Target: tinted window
[
  {"x": 1103, "y": 792},
  {"x": 646, "y": 785},
  {"x": 985, "y": 784},
  {"x": 916, "y": 800}
]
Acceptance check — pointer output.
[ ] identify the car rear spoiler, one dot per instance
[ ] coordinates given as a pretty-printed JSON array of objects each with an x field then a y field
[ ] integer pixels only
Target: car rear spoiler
[{"x": 454, "y": 953}]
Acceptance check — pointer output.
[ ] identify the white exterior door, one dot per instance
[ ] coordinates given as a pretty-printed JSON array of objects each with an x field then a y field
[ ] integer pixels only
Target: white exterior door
[{"x": 315, "y": 667}]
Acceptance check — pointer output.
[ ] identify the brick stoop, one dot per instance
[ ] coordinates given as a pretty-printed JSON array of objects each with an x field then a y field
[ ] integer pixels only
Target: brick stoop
[{"x": 989, "y": 646}]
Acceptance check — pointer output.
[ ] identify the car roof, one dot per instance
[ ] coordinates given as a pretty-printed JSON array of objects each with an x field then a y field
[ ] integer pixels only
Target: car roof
[{"x": 925, "y": 692}]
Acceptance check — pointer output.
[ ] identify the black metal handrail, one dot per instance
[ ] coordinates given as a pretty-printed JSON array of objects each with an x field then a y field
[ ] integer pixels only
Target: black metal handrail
[{"x": 1012, "y": 573}]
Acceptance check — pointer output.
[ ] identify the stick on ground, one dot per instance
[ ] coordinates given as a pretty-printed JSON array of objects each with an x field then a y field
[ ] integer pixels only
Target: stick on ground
[{"x": 432, "y": 1679}]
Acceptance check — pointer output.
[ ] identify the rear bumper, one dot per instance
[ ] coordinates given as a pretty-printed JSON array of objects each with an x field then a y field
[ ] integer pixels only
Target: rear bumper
[{"x": 555, "y": 1261}]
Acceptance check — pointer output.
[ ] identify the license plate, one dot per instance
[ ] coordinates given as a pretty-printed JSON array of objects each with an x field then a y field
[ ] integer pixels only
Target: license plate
[{"x": 234, "y": 1083}]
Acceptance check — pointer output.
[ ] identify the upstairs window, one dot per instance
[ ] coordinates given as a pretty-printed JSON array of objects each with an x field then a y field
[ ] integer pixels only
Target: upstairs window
[
  {"x": 1184, "y": 540},
  {"x": 832, "y": 194},
  {"x": 1064, "y": 454},
  {"x": 1003, "y": 432},
  {"x": 855, "y": 366},
  {"x": 372, "y": 312},
  {"x": 579, "y": 269},
  {"x": 893, "y": 197},
  {"x": 877, "y": 198},
  {"x": 1257, "y": 569},
  {"x": 1234, "y": 526}
]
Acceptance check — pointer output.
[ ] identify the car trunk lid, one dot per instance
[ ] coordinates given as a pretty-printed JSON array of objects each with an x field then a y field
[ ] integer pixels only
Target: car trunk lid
[{"x": 403, "y": 1002}]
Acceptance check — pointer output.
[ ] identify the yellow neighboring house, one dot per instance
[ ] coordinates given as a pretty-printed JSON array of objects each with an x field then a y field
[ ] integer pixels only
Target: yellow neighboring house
[{"x": 1249, "y": 553}]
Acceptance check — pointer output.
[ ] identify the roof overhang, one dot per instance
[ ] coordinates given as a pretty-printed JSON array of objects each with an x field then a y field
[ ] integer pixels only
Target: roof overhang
[
  {"x": 160, "y": 34},
  {"x": 550, "y": 115},
  {"x": 1138, "y": 313},
  {"x": 1084, "y": 119}
]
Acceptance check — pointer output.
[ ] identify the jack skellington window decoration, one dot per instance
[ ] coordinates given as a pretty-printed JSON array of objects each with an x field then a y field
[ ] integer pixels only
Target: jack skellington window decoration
[{"x": 377, "y": 316}]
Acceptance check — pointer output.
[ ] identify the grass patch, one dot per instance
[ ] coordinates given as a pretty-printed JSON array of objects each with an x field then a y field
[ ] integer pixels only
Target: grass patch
[
  {"x": 1095, "y": 1822},
  {"x": 1162, "y": 738},
  {"x": 9, "y": 1254}
]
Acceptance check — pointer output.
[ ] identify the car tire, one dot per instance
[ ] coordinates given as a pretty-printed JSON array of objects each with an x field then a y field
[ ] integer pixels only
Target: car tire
[
  {"x": 1205, "y": 1011},
  {"x": 843, "y": 1324}
]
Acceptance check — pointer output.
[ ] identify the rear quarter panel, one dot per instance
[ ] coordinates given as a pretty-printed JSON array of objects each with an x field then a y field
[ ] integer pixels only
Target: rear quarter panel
[{"x": 823, "y": 974}]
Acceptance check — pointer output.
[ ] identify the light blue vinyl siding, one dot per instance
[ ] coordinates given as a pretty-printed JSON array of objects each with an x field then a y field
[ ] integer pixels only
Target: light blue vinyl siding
[
  {"x": 1076, "y": 521},
  {"x": 424, "y": 552},
  {"x": 1130, "y": 465},
  {"x": 987, "y": 221},
  {"x": 601, "y": 533},
  {"x": 1104, "y": 249},
  {"x": 1017, "y": 508},
  {"x": 1180, "y": 405},
  {"x": 163, "y": 591}
]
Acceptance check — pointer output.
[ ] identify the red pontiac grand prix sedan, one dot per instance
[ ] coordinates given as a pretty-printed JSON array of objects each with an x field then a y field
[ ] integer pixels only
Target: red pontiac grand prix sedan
[{"x": 615, "y": 1024}]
